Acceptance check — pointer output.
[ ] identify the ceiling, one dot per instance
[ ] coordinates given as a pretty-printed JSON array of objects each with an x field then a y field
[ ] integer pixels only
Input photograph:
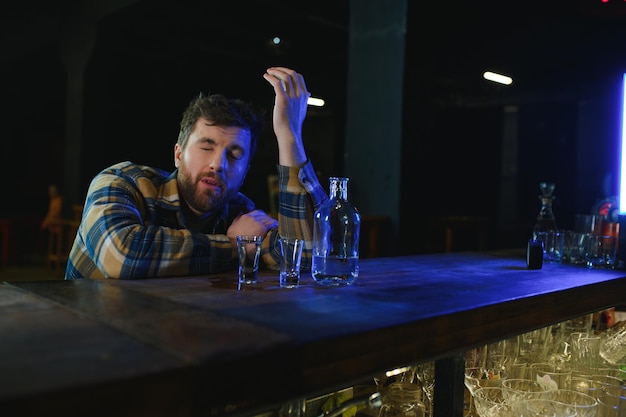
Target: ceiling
[
  {"x": 218, "y": 40},
  {"x": 551, "y": 49},
  {"x": 230, "y": 26},
  {"x": 548, "y": 47}
]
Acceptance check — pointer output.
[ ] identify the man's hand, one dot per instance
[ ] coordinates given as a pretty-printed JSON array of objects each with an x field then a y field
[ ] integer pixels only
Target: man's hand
[
  {"x": 290, "y": 108},
  {"x": 255, "y": 223}
]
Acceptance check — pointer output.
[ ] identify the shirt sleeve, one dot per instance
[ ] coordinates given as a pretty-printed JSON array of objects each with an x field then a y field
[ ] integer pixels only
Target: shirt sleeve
[
  {"x": 299, "y": 195},
  {"x": 117, "y": 240}
]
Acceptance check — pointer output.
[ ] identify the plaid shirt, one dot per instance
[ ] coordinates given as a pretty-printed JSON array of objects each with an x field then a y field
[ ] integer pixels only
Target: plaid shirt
[{"x": 133, "y": 226}]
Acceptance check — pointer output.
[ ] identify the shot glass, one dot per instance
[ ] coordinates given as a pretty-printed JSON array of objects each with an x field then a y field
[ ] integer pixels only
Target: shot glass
[
  {"x": 249, "y": 250},
  {"x": 291, "y": 255}
]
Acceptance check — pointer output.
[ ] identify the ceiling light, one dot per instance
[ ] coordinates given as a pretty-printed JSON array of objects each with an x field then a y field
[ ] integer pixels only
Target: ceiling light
[
  {"x": 277, "y": 45},
  {"x": 317, "y": 102},
  {"x": 497, "y": 78}
]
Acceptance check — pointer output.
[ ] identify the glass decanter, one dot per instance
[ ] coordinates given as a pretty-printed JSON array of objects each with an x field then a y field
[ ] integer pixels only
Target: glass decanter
[
  {"x": 545, "y": 219},
  {"x": 336, "y": 228}
]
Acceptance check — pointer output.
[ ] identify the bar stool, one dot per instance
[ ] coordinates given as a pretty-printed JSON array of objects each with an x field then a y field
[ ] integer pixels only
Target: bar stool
[{"x": 61, "y": 235}]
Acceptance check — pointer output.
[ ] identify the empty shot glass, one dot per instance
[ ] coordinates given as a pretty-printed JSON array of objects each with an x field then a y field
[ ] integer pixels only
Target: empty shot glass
[
  {"x": 291, "y": 255},
  {"x": 249, "y": 250}
]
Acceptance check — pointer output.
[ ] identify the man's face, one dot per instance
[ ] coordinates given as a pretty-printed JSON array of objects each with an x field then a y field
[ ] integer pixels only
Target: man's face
[{"x": 212, "y": 166}]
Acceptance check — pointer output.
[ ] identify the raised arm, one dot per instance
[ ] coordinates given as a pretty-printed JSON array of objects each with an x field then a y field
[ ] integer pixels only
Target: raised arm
[
  {"x": 299, "y": 191},
  {"x": 289, "y": 113}
]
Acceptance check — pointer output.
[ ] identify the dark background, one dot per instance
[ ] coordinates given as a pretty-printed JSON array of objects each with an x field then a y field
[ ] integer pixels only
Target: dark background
[{"x": 147, "y": 59}]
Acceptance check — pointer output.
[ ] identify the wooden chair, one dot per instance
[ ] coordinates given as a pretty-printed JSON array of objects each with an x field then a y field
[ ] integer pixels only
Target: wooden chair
[
  {"x": 375, "y": 239},
  {"x": 77, "y": 210},
  {"x": 61, "y": 234},
  {"x": 272, "y": 194},
  {"x": 457, "y": 227}
]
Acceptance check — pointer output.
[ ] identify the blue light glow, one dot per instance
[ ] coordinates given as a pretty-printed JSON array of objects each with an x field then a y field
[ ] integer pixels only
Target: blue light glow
[{"x": 622, "y": 177}]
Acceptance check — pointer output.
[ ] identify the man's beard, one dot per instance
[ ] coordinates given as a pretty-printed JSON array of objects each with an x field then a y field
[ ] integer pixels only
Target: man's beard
[{"x": 198, "y": 199}]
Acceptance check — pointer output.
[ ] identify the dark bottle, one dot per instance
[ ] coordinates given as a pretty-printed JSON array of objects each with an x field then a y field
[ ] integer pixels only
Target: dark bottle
[
  {"x": 336, "y": 228},
  {"x": 534, "y": 254}
]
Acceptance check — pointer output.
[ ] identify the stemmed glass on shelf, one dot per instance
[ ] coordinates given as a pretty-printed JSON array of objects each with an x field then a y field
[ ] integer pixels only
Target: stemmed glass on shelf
[
  {"x": 484, "y": 367},
  {"x": 426, "y": 376}
]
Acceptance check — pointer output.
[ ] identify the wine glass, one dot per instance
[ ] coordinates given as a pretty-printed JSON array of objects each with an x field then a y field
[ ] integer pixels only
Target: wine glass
[
  {"x": 426, "y": 376},
  {"x": 491, "y": 403},
  {"x": 477, "y": 357},
  {"x": 497, "y": 359},
  {"x": 477, "y": 377},
  {"x": 575, "y": 403},
  {"x": 542, "y": 407},
  {"x": 516, "y": 390},
  {"x": 492, "y": 358},
  {"x": 484, "y": 367},
  {"x": 471, "y": 380}
]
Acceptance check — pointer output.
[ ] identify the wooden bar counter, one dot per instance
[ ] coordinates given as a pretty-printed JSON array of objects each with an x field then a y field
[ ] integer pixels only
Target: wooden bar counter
[{"x": 200, "y": 346}]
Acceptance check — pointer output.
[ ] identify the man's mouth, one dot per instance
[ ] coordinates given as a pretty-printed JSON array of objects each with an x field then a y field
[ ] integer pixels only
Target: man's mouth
[{"x": 211, "y": 183}]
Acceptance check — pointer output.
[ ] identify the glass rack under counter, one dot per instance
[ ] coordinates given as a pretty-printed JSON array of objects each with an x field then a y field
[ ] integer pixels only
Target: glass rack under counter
[{"x": 569, "y": 355}]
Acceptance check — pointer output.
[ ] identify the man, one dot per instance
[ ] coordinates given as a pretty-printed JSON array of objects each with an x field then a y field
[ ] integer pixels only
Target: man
[{"x": 142, "y": 222}]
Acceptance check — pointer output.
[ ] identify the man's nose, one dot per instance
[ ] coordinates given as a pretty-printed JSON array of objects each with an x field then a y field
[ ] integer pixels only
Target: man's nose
[{"x": 219, "y": 161}]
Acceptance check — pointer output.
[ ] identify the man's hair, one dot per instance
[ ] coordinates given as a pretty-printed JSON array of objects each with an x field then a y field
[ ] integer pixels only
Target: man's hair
[{"x": 221, "y": 111}]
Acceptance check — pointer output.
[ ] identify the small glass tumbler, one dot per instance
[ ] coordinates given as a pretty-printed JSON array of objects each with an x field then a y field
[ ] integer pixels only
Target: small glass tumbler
[
  {"x": 613, "y": 345},
  {"x": 577, "y": 243},
  {"x": 601, "y": 252},
  {"x": 249, "y": 250},
  {"x": 290, "y": 257}
]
